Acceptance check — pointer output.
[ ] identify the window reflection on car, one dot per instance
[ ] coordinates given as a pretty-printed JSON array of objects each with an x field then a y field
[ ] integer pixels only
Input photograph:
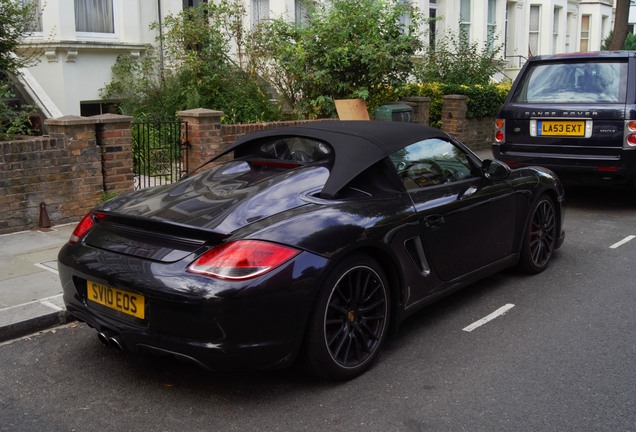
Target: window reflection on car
[{"x": 431, "y": 162}]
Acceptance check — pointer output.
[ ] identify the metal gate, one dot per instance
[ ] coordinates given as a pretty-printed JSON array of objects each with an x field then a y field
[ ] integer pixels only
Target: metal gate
[{"x": 160, "y": 152}]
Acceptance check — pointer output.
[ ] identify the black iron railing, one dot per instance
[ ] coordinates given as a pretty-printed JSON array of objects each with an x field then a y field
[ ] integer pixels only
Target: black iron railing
[{"x": 160, "y": 152}]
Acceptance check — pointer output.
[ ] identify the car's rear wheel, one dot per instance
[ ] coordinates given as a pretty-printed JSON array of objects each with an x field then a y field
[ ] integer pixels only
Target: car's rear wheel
[
  {"x": 350, "y": 319},
  {"x": 540, "y": 236}
]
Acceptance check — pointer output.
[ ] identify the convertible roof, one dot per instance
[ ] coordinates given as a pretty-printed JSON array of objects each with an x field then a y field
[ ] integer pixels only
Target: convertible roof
[{"x": 357, "y": 145}]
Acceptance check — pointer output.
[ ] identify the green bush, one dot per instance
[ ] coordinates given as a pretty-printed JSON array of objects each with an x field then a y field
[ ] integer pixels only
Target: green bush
[
  {"x": 483, "y": 100},
  {"x": 344, "y": 49},
  {"x": 13, "y": 120},
  {"x": 630, "y": 42},
  {"x": 194, "y": 71},
  {"x": 456, "y": 61}
]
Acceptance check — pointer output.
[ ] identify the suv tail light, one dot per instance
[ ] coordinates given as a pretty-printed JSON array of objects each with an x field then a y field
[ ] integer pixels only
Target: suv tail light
[
  {"x": 243, "y": 259},
  {"x": 500, "y": 135},
  {"x": 630, "y": 133}
]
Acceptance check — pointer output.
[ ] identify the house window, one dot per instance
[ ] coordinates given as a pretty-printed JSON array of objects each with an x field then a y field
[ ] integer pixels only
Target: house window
[
  {"x": 260, "y": 10},
  {"x": 94, "y": 16},
  {"x": 555, "y": 30},
  {"x": 405, "y": 19},
  {"x": 193, "y": 3},
  {"x": 36, "y": 24},
  {"x": 301, "y": 11},
  {"x": 585, "y": 33},
  {"x": 464, "y": 19},
  {"x": 533, "y": 37},
  {"x": 432, "y": 24},
  {"x": 491, "y": 26}
]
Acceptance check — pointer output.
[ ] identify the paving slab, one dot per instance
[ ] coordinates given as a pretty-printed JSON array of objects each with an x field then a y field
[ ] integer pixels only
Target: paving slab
[{"x": 30, "y": 289}]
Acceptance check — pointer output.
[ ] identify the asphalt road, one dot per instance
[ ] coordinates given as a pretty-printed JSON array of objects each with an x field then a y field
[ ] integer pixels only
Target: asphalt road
[{"x": 561, "y": 358}]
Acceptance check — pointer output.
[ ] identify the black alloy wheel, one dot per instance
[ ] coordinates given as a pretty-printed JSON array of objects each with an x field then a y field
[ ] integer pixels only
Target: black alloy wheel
[
  {"x": 350, "y": 320},
  {"x": 540, "y": 236}
]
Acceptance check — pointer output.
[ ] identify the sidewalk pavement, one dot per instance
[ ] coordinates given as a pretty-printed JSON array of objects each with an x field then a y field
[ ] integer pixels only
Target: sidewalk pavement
[{"x": 30, "y": 289}]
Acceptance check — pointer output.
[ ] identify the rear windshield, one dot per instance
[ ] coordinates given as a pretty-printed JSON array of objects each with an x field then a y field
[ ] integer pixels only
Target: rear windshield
[
  {"x": 286, "y": 148},
  {"x": 582, "y": 82}
]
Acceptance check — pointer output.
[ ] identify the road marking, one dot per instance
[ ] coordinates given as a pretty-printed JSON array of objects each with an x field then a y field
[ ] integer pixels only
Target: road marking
[
  {"x": 46, "y": 267},
  {"x": 622, "y": 242},
  {"x": 501, "y": 311},
  {"x": 45, "y": 301}
]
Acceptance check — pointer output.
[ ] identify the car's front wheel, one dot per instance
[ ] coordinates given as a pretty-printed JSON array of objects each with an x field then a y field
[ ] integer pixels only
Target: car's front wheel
[
  {"x": 350, "y": 319},
  {"x": 540, "y": 236}
]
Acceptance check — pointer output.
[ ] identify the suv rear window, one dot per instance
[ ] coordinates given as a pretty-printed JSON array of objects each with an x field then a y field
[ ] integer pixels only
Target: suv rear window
[{"x": 575, "y": 82}]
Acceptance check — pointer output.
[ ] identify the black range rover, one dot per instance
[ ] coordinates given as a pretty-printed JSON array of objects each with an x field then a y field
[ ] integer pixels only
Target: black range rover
[{"x": 575, "y": 114}]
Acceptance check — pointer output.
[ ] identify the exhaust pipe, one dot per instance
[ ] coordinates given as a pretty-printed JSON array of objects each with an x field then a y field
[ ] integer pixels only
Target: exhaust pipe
[
  {"x": 111, "y": 339},
  {"x": 103, "y": 337},
  {"x": 115, "y": 342}
]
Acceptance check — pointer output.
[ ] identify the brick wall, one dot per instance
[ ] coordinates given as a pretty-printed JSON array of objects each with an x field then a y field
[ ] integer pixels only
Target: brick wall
[
  {"x": 64, "y": 170},
  {"x": 477, "y": 133}
]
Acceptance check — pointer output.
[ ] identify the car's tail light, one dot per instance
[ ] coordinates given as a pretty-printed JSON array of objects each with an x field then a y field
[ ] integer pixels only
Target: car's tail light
[
  {"x": 604, "y": 168},
  {"x": 630, "y": 133},
  {"x": 243, "y": 259},
  {"x": 500, "y": 125},
  {"x": 83, "y": 226}
]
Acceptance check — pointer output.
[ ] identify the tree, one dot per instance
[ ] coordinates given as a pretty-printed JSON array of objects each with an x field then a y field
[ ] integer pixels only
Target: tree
[
  {"x": 621, "y": 22},
  {"x": 456, "y": 61},
  {"x": 195, "y": 69},
  {"x": 343, "y": 49},
  {"x": 16, "y": 20}
]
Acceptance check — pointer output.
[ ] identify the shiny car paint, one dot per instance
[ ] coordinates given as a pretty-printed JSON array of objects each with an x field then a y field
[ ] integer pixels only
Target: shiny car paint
[
  {"x": 607, "y": 152},
  {"x": 426, "y": 242}
]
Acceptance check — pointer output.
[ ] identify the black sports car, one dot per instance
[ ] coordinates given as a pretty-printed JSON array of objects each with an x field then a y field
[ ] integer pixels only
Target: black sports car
[{"x": 310, "y": 243}]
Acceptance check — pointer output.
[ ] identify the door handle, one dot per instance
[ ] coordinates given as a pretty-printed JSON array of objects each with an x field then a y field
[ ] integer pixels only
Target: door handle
[
  {"x": 468, "y": 192},
  {"x": 434, "y": 221}
]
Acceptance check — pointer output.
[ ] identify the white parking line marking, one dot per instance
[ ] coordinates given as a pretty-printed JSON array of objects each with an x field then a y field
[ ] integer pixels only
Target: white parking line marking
[
  {"x": 501, "y": 311},
  {"x": 45, "y": 267},
  {"x": 622, "y": 242}
]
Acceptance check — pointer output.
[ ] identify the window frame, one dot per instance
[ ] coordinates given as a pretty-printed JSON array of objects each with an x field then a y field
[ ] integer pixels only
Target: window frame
[{"x": 100, "y": 35}]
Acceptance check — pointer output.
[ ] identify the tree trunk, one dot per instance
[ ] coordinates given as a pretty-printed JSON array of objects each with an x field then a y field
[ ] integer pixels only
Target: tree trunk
[{"x": 620, "y": 25}]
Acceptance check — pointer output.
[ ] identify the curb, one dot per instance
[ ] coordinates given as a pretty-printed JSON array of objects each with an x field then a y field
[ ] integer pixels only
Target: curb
[{"x": 28, "y": 318}]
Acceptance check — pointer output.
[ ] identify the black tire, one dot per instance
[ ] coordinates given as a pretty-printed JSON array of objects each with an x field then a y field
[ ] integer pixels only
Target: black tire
[
  {"x": 539, "y": 237},
  {"x": 350, "y": 320}
]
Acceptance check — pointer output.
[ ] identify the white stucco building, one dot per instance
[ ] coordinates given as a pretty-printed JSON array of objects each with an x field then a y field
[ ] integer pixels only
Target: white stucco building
[{"x": 77, "y": 41}]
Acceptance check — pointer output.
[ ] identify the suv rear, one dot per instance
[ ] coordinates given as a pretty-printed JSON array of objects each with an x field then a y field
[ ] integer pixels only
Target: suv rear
[{"x": 574, "y": 114}]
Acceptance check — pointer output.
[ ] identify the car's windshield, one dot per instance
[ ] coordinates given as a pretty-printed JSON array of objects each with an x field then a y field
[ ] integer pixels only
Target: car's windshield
[{"x": 574, "y": 82}]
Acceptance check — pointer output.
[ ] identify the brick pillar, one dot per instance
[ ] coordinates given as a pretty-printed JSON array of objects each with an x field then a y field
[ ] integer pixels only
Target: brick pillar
[
  {"x": 204, "y": 134},
  {"x": 421, "y": 108},
  {"x": 115, "y": 140},
  {"x": 454, "y": 111},
  {"x": 82, "y": 166}
]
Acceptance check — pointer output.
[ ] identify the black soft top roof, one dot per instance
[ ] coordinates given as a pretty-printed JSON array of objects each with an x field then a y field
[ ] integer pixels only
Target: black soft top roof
[{"x": 357, "y": 145}]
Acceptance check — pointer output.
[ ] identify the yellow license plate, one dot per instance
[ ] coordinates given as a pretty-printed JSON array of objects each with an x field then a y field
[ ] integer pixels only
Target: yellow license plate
[
  {"x": 120, "y": 300},
  {"x": 561, "y": 128}
]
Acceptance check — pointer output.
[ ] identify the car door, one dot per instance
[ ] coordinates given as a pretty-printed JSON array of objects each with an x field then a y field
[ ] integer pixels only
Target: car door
[{"x": 467, "y": 220}]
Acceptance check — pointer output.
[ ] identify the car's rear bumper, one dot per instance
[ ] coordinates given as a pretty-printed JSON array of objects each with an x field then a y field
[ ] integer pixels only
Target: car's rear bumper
[
  {"x": 241, "y": 329},
  {"x": 617, "y": 167}
]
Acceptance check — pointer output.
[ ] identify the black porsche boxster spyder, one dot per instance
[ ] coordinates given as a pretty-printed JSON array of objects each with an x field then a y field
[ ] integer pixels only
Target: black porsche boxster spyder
[{"x": 311, "y": 242}]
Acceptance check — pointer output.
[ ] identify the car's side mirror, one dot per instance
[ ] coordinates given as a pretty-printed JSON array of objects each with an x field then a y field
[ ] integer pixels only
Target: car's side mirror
[{"x": 495, "y": 169}]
